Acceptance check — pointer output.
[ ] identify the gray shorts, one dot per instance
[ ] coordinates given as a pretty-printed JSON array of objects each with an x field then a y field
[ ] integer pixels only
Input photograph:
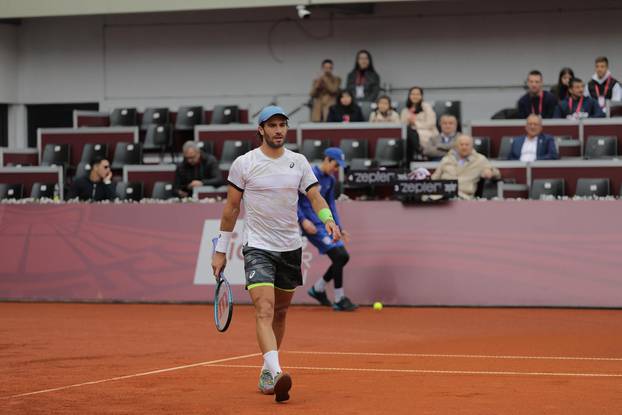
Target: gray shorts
[{"x": 280, "y": 269}]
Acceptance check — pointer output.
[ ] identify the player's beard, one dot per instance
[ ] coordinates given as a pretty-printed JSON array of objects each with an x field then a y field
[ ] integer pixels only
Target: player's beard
[{"x": 271, "y": 143}]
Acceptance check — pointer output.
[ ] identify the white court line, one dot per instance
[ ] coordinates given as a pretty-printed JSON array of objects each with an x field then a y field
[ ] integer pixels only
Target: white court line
[
  {"x": 439, "y": 372},
  {"x": 136, "y": 375},
  {"x": 459, "y": 356}
]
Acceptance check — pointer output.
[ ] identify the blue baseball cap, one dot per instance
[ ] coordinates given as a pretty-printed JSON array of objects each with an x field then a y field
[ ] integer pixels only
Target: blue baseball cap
[
  {"x": 269, "y": 112},
  {"x": 335, "y": 153}
]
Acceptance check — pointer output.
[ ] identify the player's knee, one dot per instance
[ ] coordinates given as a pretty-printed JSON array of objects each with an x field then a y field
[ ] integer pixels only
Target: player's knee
[
  {"x": 342, "y": 257},
  {"x": 280, "y": 312},
  {"x": 264, "y": 310}
]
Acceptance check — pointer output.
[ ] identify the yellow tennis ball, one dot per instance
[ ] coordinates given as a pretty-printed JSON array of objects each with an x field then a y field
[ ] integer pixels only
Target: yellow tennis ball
[{"x": 377, "y": 306}]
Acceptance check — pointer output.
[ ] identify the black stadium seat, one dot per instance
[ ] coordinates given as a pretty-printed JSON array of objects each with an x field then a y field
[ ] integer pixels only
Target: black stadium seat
[
  {"x": 482, "y": 145},
  {"x": 56, "y": 155},
  {"x": 188, "y": 117},
  {"x": 158, "y": 137},
  {"x": 313, "y": 150},
  {"x": 592, "y": 187},
  {"x": 225, "y": 114},
  {"x": 366, "y": 108},
  {"x": 505, "y": 148},
  {"x": 123, "y": 117},
  {"x": 206, "y": 147},
  {"x": 354, "y": 148},
  {"x": 127, "y": 153},
  {"x": 389, "y": 152},
  {"x": 129, "y": 191},
  {"x": 231, "y": 150},
  {"x": 83, "y": 170},
  {"x": 546, "y": 188},
  {"x": 42, "y": 190},
  {"x": 601, "y": 147},
  {"x": 91, "y": 150},
  {"x": 11, "y": 191},
  {"x": 157, "y": 116},
  {"x": 162, "y": 190},
  {"x": 448, "y": 107}
]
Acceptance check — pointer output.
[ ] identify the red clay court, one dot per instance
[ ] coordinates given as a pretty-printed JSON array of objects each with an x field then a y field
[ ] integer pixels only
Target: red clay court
[{"x": 130, "y": 359}]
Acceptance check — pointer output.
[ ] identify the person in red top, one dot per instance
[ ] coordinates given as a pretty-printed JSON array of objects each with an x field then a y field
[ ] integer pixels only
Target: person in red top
[{"x": 603, "y": 87}]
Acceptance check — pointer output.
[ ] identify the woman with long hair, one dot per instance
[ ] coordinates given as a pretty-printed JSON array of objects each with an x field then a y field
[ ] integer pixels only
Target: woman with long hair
[
  {"x": 363, "y": 82},
  {"x": 345, "y": 110},
  {"x": 419, "y": 116},
  {"x": 561, "y": 89}
]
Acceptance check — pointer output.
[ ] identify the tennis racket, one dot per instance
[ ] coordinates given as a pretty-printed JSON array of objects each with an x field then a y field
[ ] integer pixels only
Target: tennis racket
[{"x": 223, "y": 299}]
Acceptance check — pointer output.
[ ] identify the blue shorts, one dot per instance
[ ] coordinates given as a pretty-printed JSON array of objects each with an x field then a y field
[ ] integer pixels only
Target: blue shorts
[{"x": 322, "y": 240}]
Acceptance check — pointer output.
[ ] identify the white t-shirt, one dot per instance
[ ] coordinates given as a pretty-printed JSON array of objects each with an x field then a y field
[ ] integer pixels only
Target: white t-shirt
[
  {"x": 529, "y": 151},
  {"x": 270, "y": 197}
]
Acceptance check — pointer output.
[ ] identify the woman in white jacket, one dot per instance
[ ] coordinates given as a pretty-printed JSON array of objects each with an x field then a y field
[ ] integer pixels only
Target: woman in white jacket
[{"x": 419, "y": 116}]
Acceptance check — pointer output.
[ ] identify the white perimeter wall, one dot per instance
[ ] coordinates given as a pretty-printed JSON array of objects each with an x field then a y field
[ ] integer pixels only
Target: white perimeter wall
[{"x": 476, "y": 52}]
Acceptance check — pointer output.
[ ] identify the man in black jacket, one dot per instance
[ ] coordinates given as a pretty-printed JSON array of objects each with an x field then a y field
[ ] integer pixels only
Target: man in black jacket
[
  {"x": 97, "y": 186},
  {"x": 536, "y": 100},
  {"x": 197, "y": 169}
]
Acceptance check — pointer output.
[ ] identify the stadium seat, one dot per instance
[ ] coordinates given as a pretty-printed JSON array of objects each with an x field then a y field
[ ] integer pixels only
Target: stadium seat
[
  {"x": 292, "y": 147},
  {"x": 366, "y": 108},
  {"x": 389, "y": 152},
  {"x": 354, "y": 148},
  {"x": 225, "y": 114},
  {"x": 362, "y": 164},
  {"x": 482, "y": 145},
  {"x": 158, "y": 137},
  {"x": 83, "y": 170},
  {"x": 448, "y": 107},
  {"x": 547, "y": 189},
  {"x": 129, "y": 191},
  {"x": 157, "y": 116},
  {"x": 11, "y": 191},
  {"x": 91, "y": 150},
  {"x": 56, "y": 155},
  {"x": 505, "y": 148},
  {"x": 127, "y": 153},
  {"x": 601, "y": 147},
  {"x": 163, "y": 191},
  {"x": 123, "y": 117},
  {"x": 231, "y": 150},
  {"x": 42, "y": 190},
  {"x": 206, "y": 146},
  {"x": 487, "y": 189},
  {"x": 313, "y": 150},
  {"x": 188, "y": 117},
  {"x": 592, "y": 187}
]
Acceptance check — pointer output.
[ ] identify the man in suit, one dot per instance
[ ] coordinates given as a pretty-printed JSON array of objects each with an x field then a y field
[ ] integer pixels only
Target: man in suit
[{"x": 534, "y": 145}]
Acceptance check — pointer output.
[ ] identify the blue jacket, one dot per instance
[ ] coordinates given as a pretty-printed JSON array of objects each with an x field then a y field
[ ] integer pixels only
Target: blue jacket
[
  {"x": 590, "y": 106},
  {"x": 327, "y": 190},
  {"x": 546, "y": 148}
]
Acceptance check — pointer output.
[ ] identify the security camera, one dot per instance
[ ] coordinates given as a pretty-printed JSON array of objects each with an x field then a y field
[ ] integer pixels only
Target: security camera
[{"x": 303, "y": 12}]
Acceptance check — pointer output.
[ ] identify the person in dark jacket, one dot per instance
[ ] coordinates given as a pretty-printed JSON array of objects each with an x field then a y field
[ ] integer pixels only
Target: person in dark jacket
[
  {"x": 561, "y": 89},
  {"x": 197, "y": 169},
  {"x": 536, "y": 100},
  {"x": 534, "y": 145},
  {"x": 95, "y": 187},
  {"x": 577, "y": 106},
  {"x": 345, "y": 110},
  {"x": 363, "y": 82}
]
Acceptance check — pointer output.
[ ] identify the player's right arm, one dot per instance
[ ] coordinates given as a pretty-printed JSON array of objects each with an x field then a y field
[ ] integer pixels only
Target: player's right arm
[{"x": 227, "y": 223}]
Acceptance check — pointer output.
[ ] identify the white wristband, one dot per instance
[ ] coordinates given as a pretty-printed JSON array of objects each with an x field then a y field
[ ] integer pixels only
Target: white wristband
[{"x": 224, "y": 238}]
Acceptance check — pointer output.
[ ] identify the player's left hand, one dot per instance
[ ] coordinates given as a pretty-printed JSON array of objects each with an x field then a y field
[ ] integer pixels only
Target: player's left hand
[{"x": 333, "y": 230}]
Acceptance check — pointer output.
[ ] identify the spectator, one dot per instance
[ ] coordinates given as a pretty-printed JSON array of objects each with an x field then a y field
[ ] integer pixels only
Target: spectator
[
  {"x": 603, "y": 87},
  {"x": 577, "y": 106},
  {"x": 467, "y": 166},
  {"x": 384, "y": 111},
  {"x": 536, "y": 100},
  {"x": 419, "y": 116},
  {"x": 363, "y": 82},
  {"x": 324, "y": 91},
  {"x": 561, "y": 89},
  {"x": 440, "y": 144},
  {"x": 534, "y": 145},
  {"x": 197, "y": 169},
  {"x": 97, "y": 186},
  {"x": 345, "y": 110}
]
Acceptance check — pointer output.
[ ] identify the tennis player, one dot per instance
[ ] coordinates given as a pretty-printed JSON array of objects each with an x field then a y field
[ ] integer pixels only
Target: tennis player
[
  {"x": 269, "y": 178},
  {"x": 314, "y": 231}
]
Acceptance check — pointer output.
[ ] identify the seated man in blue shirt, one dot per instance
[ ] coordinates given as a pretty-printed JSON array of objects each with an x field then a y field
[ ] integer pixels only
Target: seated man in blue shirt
[
  {"x": 315, "y": 232},
  {"x": 577, "y": 106},
  {"x": 534, "y": 145}
]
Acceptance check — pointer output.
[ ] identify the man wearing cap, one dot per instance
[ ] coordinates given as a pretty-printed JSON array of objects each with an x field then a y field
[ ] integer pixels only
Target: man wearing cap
[
  {"x": 269, "y": 178},
  {"x": 314, "y": 231}
]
